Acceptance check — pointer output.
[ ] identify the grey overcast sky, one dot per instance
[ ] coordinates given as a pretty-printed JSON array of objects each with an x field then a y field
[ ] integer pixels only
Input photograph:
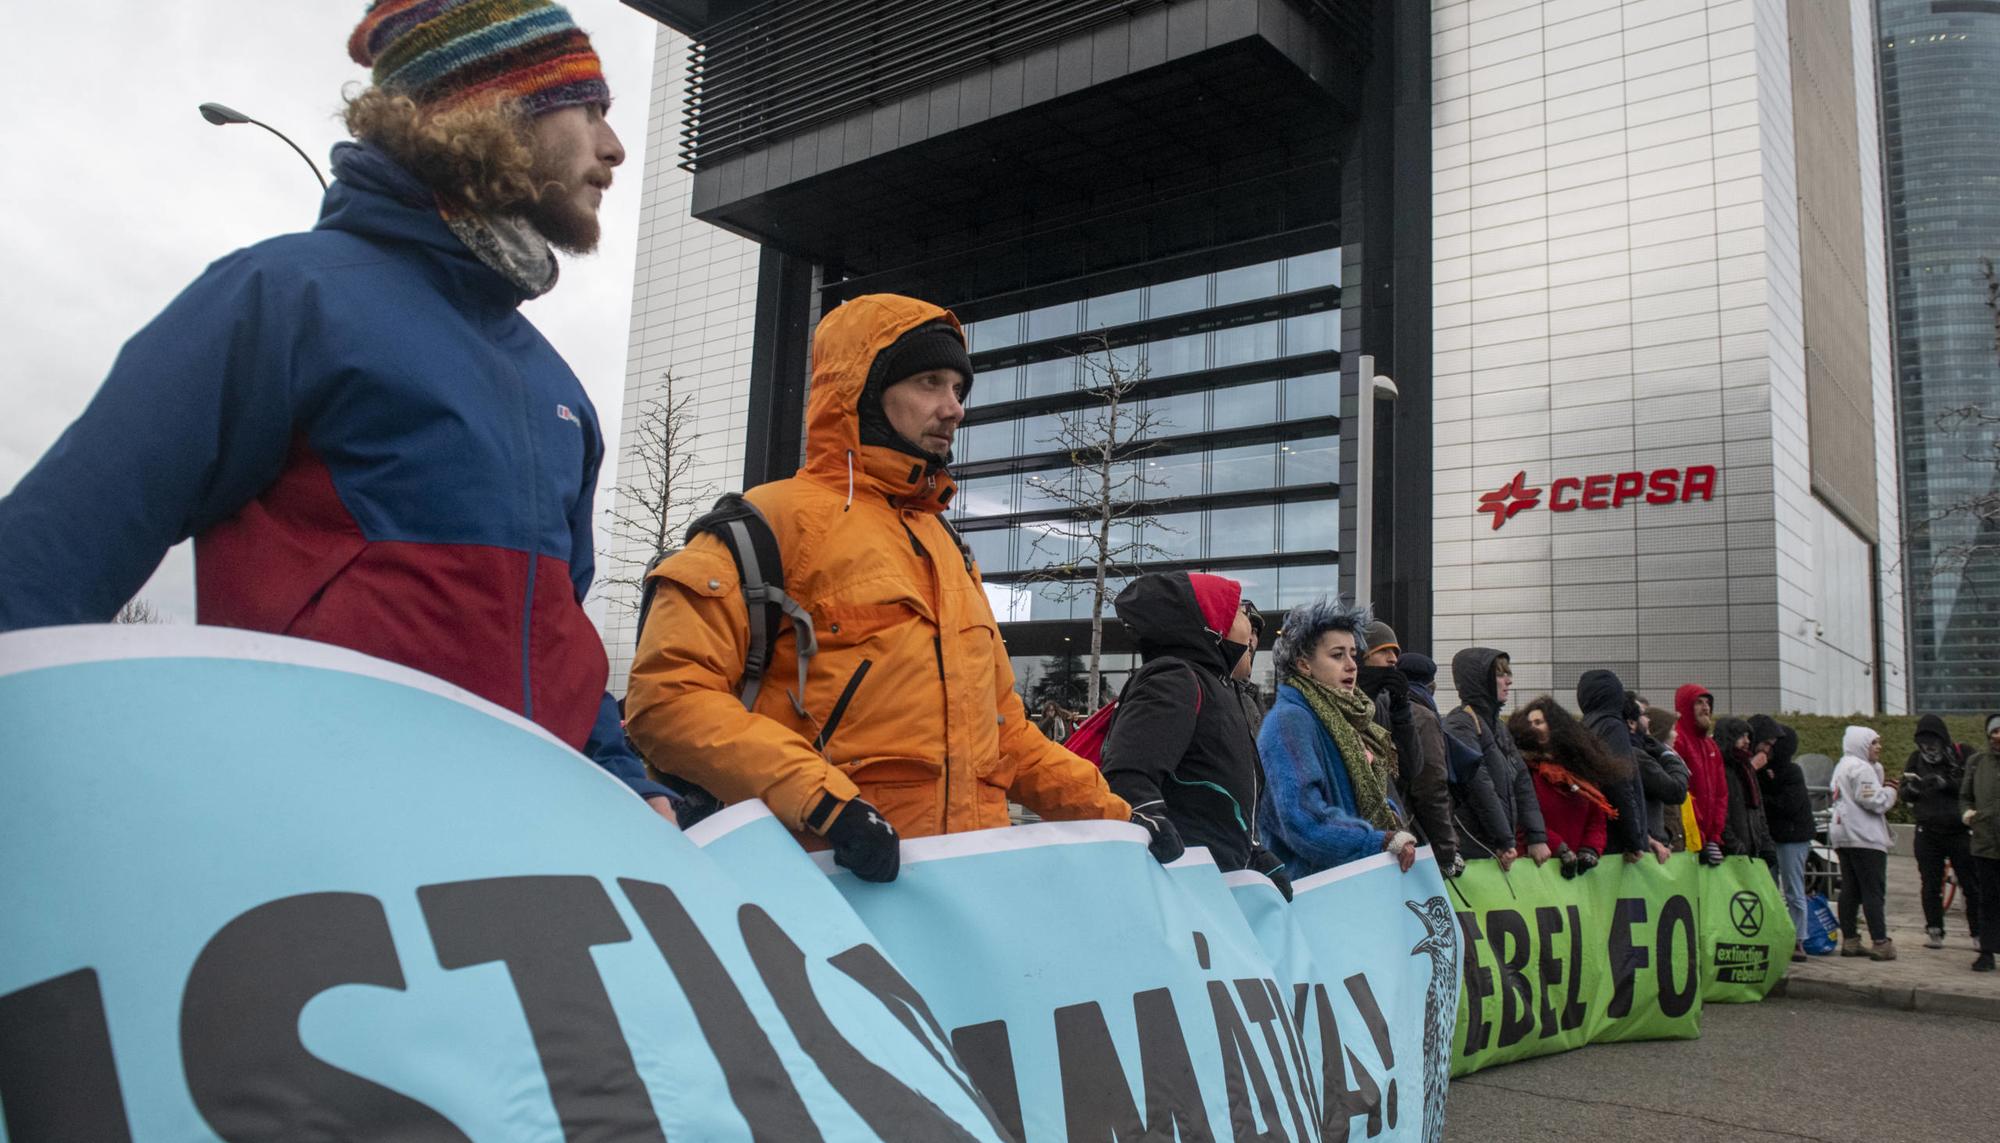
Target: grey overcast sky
[{"x": 117, "y": 193}]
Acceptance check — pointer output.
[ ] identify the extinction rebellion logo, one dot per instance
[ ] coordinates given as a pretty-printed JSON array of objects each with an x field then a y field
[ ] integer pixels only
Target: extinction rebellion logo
[{"x": 1605, "y": 490}]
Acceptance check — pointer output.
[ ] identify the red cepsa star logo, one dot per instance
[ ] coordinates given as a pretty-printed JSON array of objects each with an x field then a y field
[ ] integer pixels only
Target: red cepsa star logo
[{"x": 1510, "y": 498}]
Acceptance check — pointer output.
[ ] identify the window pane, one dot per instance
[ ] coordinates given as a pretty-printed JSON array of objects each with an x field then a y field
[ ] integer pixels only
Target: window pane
[
  {"x": 1047, "y": 378},
  {"x": 1246, "y": 343},
  {"x": 1246, "y": 405},
  {"x": 1123, "y": 363},
  {"x": 1315, "y": 460},
  {"x": 1312, "y": 333},
  {"x": 1246, "y": 283},
  {"x": 993, "y": 386},
  {"x": 994, "y": 333},
  {"x": 1305, "y": 584},
  {"x": 1114, "y": 309},
  {"x": 1312, "y": 271},
  {"x": 1178, "y": 414},
  {"x": 1177, "y": 297},
  {"x": 1174, "y": 536},
  {"x": 1311, "y": 526},
  {"x": 1052, "y": 321},
  {"x": 990, "y": 441},
  {"x": 1250, "y": 531},
  {"x": 1177, "y": 355},
  {"x": 986, "y": 496},
  {"x": 1041, "y": 433},
  {"x": 1047, "y": 603},
  {"x": 1176, "y": 475},
  {"x": 993, "y": 548},
  {"x": 1314, "y": 395},
  {"x": 1043, "y": 545},
  {"x": 1243, "y": 469},
  {"x": 1260, "y": 585},
  {"x": 1041, "y": 490}
]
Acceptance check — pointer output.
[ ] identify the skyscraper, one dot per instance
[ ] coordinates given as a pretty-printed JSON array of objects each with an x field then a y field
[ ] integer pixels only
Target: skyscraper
[{"x": 1941, "y": 120}]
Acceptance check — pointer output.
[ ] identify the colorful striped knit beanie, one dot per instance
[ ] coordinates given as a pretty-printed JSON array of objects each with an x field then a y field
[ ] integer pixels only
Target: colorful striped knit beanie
[{"x": 442, "y": 53}]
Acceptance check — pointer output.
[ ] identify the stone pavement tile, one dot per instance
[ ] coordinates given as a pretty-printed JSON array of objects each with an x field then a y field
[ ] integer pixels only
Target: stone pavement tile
[{"x": 1919, "y": 979}]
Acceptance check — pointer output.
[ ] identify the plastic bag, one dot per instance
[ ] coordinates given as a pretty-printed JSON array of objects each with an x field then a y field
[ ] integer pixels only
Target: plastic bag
[{"x": 1822, "y": 935}]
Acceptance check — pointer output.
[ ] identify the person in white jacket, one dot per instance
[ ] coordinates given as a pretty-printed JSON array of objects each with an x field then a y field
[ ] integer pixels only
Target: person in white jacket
[{"x": 1859, "y": 832}]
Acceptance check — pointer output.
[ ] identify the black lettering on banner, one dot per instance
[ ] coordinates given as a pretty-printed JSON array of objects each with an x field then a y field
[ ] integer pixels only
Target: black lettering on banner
[
  {"x": 543, "y": 928},
  {"x": 58, "y": 1079},
  {"x": 1677, "y": 914},
  {"x": 1308, "y": 1082},
  {"x": 1628, "y": 956},
  {"x": 1378, "y": 1030},
  {"x": 1239, "y": 1061},
  {"x": 866, "y": 966},
  {"x": 1508, "y": 933},
  {"x": 986, "y": 1052},
  {"x": 248, "y": 1073},
  {"x": 1478, "y": 986},
  {"x": 1573, "y": 1002},
  {"x": 758, "y": 1084},
  {"x": 890, "y": 1108},
  {"x": 1548, "y": 925},
  {"x": 1258, "y": 1008},
  {"x": 1097, "y": 1099},
  {"x": 1341, "y": 1102}
]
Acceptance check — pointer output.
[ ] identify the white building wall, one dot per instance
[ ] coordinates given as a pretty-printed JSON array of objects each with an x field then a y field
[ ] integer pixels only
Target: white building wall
[
  {"x": 1617, "y": 264},
  {"x": 693, "y": 300}
]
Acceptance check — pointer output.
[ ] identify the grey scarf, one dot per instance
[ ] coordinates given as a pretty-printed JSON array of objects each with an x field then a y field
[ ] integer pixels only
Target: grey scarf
[{"x": 511, "y": 246}]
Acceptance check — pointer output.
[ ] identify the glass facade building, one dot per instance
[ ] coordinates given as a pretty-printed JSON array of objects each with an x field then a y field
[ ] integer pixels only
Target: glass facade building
[{"x": 1940, "y": 68}]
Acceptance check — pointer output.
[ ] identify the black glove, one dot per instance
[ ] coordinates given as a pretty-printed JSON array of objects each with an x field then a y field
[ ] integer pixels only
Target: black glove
[
  {"x": 1711, "y": 853},
  {"x": 1586, "y": 859},
  {"x": 1457, "y": 866},
  {"x": 1166, "y": 844},
  {"x": 1568, "y": 860},
  {"x": 864, "y": 842},
  {"x": 1265, "y": 862},
  {"x": 1375, "y": 681}
]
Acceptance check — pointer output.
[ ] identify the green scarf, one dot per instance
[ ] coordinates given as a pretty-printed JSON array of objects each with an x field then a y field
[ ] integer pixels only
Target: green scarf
[{"x": 1349, "y": 716}]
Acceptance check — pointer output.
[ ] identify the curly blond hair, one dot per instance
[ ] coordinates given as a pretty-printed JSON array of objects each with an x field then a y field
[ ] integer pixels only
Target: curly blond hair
[{"x": 480, "y": 157}]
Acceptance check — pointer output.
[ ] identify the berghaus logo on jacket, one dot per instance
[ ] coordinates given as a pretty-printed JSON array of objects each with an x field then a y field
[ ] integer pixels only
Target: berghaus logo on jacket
[{"x": 563, "y": 412}]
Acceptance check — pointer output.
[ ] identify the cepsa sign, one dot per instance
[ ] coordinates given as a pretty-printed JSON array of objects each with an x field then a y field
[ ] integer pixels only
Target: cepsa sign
[{"x": 1605, "y": 490}]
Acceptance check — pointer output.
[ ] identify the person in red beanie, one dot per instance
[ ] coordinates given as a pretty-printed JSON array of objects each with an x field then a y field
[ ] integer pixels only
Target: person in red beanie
[
  {"x": 1180, "y": 749},
  {"x": 1708, "y": 782}
]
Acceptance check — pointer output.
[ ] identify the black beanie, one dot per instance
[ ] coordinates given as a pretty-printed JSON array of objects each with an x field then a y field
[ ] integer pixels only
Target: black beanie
[{"x": 933, "y": 345}]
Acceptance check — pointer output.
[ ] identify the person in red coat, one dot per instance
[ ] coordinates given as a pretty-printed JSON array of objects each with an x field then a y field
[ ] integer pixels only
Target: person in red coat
[
  {"x": 1570, "y": 768},
  {"x": 1708, "y": 784}
]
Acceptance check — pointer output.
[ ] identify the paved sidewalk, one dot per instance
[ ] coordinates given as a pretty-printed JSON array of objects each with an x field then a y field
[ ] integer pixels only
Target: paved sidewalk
[{"x": 1919, "y": 979}]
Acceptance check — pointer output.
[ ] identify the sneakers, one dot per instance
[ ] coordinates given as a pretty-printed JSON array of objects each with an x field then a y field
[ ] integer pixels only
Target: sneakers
[
  {"x": 1934, "y": 938},
  {"x": 1984, "y": 963},
  {"x": 1851, "y": 946},
  {"x": 1882, "y": 950}
]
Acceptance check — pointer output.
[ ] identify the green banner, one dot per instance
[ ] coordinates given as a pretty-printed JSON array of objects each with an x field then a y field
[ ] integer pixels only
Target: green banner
[{"x": 1624, "y": 952}]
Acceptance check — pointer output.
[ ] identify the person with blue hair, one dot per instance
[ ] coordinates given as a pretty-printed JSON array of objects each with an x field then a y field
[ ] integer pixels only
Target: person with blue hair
[{"x": 1330, "y": 792}]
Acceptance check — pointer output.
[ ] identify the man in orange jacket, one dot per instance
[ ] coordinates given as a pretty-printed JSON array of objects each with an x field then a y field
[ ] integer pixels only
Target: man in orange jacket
[{"x": 909, "y": 724}]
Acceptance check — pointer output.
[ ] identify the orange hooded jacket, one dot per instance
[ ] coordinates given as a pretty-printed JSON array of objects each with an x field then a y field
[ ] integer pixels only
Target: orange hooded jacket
[{"x": 934, "y": 735}]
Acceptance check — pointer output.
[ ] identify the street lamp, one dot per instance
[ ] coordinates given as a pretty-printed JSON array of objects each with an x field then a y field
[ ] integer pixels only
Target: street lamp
[
  {"x": 1381, "y": 389},
  {"x": 223, "y": 116}
]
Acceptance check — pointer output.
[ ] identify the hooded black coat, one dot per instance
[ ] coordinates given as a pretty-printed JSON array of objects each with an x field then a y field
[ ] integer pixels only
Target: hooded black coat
[
  {"x": 1600, "y": 697},
  {"x": 1787, "y": 804},
  {"x": 1180, "y": 736},
  {"x": 1496, "y": 801},
  {"x": 1930, "y": 787},
  {"x": 1745, "y": 832}
]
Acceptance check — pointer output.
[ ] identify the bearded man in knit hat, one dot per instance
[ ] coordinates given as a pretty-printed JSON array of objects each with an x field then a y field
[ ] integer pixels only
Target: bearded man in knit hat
[{"x": 369, "y": 444}]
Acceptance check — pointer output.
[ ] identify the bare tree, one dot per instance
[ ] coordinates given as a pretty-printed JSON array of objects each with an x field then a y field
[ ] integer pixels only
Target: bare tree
[
  {"x": 649, "y": 512},
  {"x": 1103, "y": 496},
  {"x": 138, "y": 611}
]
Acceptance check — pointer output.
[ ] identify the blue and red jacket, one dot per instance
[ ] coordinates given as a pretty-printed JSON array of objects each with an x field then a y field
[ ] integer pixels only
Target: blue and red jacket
[{"x": 371, "y": 446}]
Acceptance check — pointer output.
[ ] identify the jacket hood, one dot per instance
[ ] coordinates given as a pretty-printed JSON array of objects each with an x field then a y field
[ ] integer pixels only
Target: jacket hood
[
  {"x": 1932, "y": 726},
  {"x": 1763, "y": 728},
  {"x": 1787, "y": 746},
  {"x": 1856, "y": 741},
  {"x": 374, "y": 197},
  {"x": 1166, "y": 614},
  {"x": 1472, "y": 678},
  {"x": 1684, "y": 703},
  {"x": 1601, "y": 692},
  {"x": 844, "y": 352},
  {"x": 1728, "y": 729},
  {"x": 1419, "y": 668}
]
